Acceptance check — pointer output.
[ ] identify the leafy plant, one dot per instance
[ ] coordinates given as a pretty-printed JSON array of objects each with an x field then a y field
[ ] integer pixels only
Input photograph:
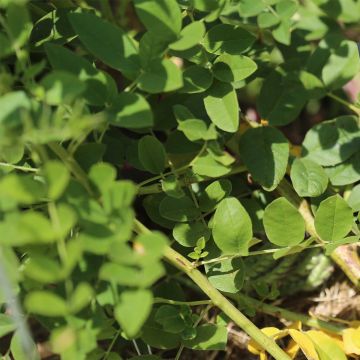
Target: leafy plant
[{"x": 130, "y": 164}]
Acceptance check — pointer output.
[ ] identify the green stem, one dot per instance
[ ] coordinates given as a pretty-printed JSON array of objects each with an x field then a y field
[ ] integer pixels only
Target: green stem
[
  {"x": 108, "y": 351},
  {"x": 350, "y": 106},
  {"x": 156, "y": 188},
  {"x": 107, "y": 11},
  {"x": 18, "y": 167},
  {"x": 159, "y": 177},
  {"x": 255, "y": 253},
  {"x": 175, "y": 302},
  {"x": 276, "y": 310},
  {"x": 72, "y": 166},
  {"x": 219, "y": 300},
  {"x": 289, "y": 315},
  {"x": 344, "y": 256}
]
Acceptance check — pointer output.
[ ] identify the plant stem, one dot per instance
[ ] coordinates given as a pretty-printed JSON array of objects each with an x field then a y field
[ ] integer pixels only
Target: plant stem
[
  {"x": 108, "y": 351},
  {"x": 276, "y": 310},
  {"x": 72, "y": 166},
  {"x": 255, "y": 253},
  {"x": 175, "y": 302},
  {"x": 156, "y": 188},
  {"x": 289, "y": 315},
  {"x": 15, "y": 312},
  {"x": 350, "y": 106},
  {"x": 344, "y": 256},
  {"x": 219, "y": 300},
  {"x": 18, "y": 167}
]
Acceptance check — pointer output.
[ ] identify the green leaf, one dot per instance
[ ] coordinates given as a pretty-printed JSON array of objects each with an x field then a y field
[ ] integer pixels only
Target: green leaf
[
  {"x": 153, "y": 334},
  {"x": 152, "y": 154},
  {"x": 57, "y": 178},
  {"x": 194, "y": 129},
  {"x": 18, "y": 24},
  {"x": 308, "y": 178},
  {"x": 133, "y": 309},
  {"x": 222, "y": 107},
  {"x": 81, "y": 297},
  {"x": 7, "y": 325},
  {"x": 161, "y": 17},
  {"x": 208, "y": 337},
  {"x": 206, "y": 165},
  {"x": 17, "y": 348},
  {"x": 196, "y": 79},
  {"x": 31, "y": 227},
  {"x": 170, "y": 319},
  {"x": 61, "y": 87},
  {"x": 335, "y": 61},
  {"x": 151, "y": 206},
  {"x": 265, "y": 152},
  {"x": 345, "y": 173},
  {"x": 172, "y": 187},
  {"x": 227, "y": 275},
  {"x": 332, "y": 142},
  {"x": 225, "y": 38},
  {"x": 43, "y": 269},
  {"x": 232, "y": 228},
  {"x": 213, "y": 194},
  {"x": 284, "y": 226},
  {"x": 249, "y": 8},
  {"x": 333, "y": 219},
  {"x": 354, "y": 198},
  {"x": 280, "y": 104},
  {"x": 149, "y": 247},
  {"x": 120, "y": 195},
  {"x": 190, "y": 36},
  {"x": 102, "y": 176},
  {"x": 5, "y": 46},
  {"x": 188, "y": 234},
  {"x": 160, "y": 76},
  {"x": 106, "y": 41},
  {"x": 99, "y": 86},
  {"x": 206, "y": 5},
  {"x": 46, "y": 303},
  {"x": 12, "y": 104},
  {"x": 282, "y": 33},
  {"x": 130, "y": 111},
  {"x": 21, "y": 188},
  {"x": 266, "y": 20},
  {"x": 182, "y": 209},
  {"x": 232, "y": 68},
  {"x": 130, "y": 275},
  {"x": 286, "y": 8},
  {"x": 151, "y": 47}
]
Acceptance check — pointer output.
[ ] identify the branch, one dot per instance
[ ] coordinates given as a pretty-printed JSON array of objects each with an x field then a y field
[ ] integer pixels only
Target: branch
[{"x": 219, "y": 300}]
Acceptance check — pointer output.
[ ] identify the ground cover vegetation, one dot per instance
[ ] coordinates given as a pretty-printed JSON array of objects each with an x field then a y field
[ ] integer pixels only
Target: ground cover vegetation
[{"x": 171, "y": 171}]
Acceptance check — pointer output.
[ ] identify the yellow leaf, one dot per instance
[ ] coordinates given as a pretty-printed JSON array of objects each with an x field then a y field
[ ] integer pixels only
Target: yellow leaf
[
  {"x": 351, "y": 338},
  {"x": 305, "y": 344},
  {"x": 327, "y": 347},
  {"x": 292, "y": 349},
  {"x": 254, "y": 347},
  {"x": 297, "y": 325}
]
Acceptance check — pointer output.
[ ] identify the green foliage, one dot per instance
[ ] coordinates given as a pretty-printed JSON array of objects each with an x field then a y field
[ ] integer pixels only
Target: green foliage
[
  {"x": 117, "y": 115},
  {"x": 283, "y": 224}
]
